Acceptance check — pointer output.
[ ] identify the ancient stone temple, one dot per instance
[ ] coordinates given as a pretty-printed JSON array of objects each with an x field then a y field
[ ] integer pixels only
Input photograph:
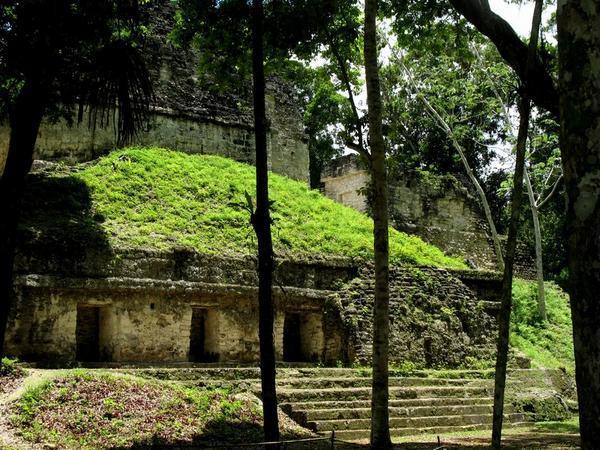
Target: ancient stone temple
[
  {"x": 438, "y": 209},
  {"x": 181, "y": 306},
  {"x": 77, "y": 298},
  {"x": 187, "y": 114}
]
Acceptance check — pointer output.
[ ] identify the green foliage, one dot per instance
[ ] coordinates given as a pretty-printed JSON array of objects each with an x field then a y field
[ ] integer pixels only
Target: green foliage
[
  {"x": 161, "y": 199},
  {"x": 75, "y": 53},
  {"x": 460, "y": 84},
  {"x": 8, "y": 367},
  {"x": 548, "y": 344},
  {"x": 221, "y": 31}
]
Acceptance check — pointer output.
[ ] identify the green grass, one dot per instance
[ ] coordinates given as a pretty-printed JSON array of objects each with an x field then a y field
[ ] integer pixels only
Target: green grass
[
  {"x": 548, "y": 344},
  {"x": 567, "y": 426},
  {"x": 160, "y": 199}
]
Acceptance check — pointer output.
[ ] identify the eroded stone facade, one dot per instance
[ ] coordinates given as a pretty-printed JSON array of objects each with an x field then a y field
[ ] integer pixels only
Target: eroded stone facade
[
  {"x": 147, "y": 302},
  {"x": 440, "y": 210},
  {"x": 143, "y": 306},
  {"x": 189, "y": 114}
]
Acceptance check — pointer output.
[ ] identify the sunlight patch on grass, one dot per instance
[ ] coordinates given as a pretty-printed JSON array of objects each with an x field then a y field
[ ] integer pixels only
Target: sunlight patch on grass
[
  {"x": 548, "y": 344},
  {"x": 160, "y": 199}
]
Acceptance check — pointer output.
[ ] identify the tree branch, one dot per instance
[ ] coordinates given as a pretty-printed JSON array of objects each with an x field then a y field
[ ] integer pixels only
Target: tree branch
[
  {"x": 346, "y": 80},
  {"x": 540, "y": 85},
  {"x": 551, "y": 194}
]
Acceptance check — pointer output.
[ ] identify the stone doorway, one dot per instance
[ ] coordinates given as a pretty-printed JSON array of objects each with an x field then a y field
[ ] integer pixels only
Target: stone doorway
[
  {"x": 292, "y": 338},
  {"x": 88, "y": 333},
  {"x": 203, "y": 334}
]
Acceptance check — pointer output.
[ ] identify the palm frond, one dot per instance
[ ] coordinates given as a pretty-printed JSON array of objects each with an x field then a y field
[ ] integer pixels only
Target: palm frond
[{"x": 117, "y": 90}]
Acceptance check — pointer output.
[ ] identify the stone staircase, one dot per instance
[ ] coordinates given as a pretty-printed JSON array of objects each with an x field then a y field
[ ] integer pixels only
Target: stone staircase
[
  {"x": 418, "y": 405},
  {"x": 331, "y": 399}
]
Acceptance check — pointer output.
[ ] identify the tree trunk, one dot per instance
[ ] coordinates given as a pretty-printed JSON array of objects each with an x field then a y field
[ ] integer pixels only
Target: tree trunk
[
  {"x": 261, "y": 222},
  {"x": 539, "y": 261},
  {"x": 511, "y": 245},
  {"x": 524, "y": 105},
  {"x": 380, "y": 429},
  {"x": 25, "y": 118},
  {"x": 484, "y": 202},
  {"x": 579, "y": 80},
  {"x": 480, "y": 192}
]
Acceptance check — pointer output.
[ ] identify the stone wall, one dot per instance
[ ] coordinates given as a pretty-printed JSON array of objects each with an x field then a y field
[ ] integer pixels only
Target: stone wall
[
  {"x": 438, "y": 209},
  {"x": 342, "y": 180},
  {"x": 435, "y": 320},
  {"x": 146, "y": 301},
  {"x": 189, "y": 114},
  {"x": 144, "y": 320}
]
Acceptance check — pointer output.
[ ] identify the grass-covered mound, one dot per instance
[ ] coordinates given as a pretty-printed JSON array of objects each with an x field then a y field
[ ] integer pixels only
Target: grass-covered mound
[
  {"x": 160, "y": 199},
  {"x": 80, "y": 409},
  {"x": 548, "y": 344}
]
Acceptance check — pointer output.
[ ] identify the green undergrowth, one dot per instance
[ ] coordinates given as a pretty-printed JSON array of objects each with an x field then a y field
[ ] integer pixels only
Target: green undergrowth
[
  {"x": 548, "y": 344},
  {"x": 84, "y": 409},
  {"x": 161, "y": 199},
  {"x": 566, "y": 426},
  {"x": 10, "y": 374},
  {"x": 9, "y": 367}
]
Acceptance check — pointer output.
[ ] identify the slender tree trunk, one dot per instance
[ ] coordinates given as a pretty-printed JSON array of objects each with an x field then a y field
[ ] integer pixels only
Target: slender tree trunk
[
  {"x": 579, "y": 79},
  {"x": 25, "y": 118},
  {"x": 380, "y": 427},
  {"x": 480, "y": 192},
  {"x": 484, "y": 203},
  {"x": 262, "y": 225},
  {"x": 539, "y": 259},
  {"x": 511, "y": 244}
]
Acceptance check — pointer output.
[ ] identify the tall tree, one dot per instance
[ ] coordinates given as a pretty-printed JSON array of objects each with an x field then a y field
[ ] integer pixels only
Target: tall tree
[
  {"x": 451, "y": 136},
  {"x": 380, "y": 426},
  {"x": 223, "y": 29},
  {"x": 579, "y": 81},
  {"x": 261, "y": 221},
  {"x": 535, "y": 203},
  {"x": 54, "y": 55},
  {"x": 511, "y": 243}
]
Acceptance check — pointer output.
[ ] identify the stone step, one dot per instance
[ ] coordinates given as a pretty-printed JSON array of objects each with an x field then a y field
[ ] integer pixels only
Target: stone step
[
  {"x": 305, "y": 416},
  {"x": 346, "y": 382},
  {"x": 411, "y": 422},
  {"x": 354, "y": 435},
  {"x": 183, "y": 373},
  {"x": 364, "y": 393},
  {"x": 443, "y": 401},
  {"x": 197, "y": 374}
]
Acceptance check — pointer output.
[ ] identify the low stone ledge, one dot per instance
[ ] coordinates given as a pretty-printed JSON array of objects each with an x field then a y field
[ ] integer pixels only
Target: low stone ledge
[
  {"x": 145, "y": 284},
  {"x": 183, "y": 264}
]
